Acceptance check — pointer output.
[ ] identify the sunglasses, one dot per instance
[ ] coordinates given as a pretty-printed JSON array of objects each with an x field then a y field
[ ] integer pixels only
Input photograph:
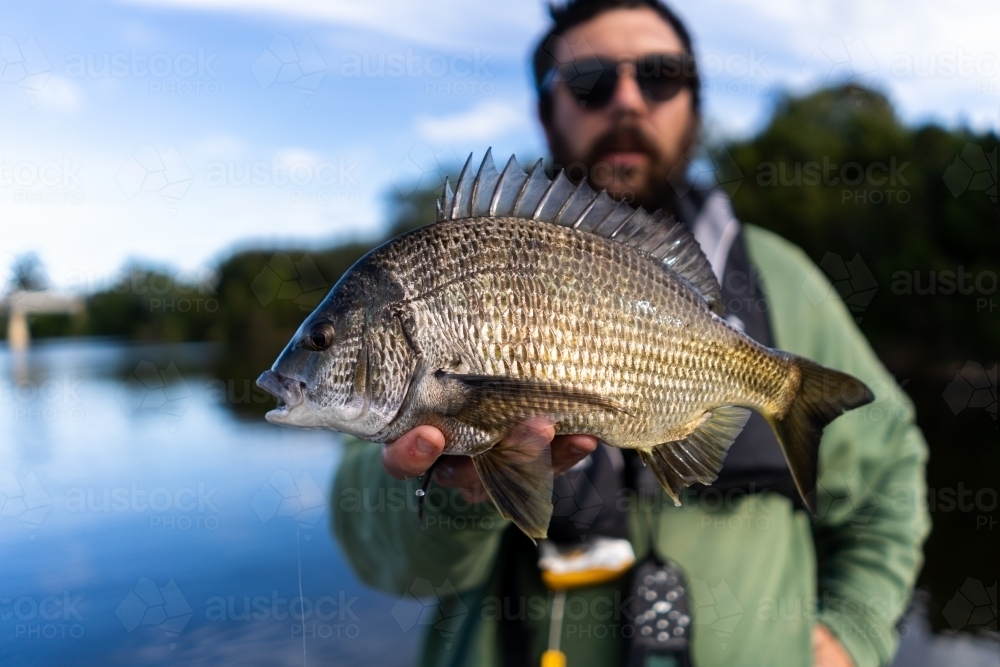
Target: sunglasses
[{"x": 592, "y": 81}]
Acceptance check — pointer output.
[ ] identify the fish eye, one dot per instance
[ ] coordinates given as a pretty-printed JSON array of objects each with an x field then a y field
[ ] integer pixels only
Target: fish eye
[{"x": 320, "y": 336}]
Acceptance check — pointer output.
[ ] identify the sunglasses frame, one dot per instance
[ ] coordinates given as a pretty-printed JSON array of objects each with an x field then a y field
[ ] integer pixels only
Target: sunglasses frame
[{"x": 678, "y": 67}]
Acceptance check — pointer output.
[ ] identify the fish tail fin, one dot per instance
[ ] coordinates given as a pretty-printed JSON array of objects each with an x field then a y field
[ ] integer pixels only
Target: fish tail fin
[
  {"x": 518, "y": 478},
  {"x": 823, "y": 394},
  {"x": 699, "y": 456}
]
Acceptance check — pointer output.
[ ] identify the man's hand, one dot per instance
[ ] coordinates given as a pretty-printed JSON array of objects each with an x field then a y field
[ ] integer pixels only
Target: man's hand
[
  {"x": 827, "y": 651},
  {"x": 415, "y": 452}
]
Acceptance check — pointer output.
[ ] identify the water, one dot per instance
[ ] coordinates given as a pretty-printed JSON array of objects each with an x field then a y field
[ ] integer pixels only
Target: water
[{"x": 144, "y": 523}]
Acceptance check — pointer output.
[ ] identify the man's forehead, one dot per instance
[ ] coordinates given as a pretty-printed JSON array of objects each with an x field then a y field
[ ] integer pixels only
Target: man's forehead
[{"x": 619, "y": 33}]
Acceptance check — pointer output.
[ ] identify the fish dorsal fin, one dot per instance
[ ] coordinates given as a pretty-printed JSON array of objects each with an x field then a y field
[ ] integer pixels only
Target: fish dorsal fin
[{"x": 533, "y": 196}]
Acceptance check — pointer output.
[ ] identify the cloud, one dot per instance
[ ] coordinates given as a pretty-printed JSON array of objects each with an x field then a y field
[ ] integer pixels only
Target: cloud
[
  {"x": 59, "y": 93},
  {"x": 445, "y": 23},
  {"x": 488, "y": 120},
  {"x": 219, "y": 147},
  {"x": 751, "y": 53},
  {"x": 803, "y": 45},
  {"x": 298, "y": 156},
  {"x": 936, "y": 62}
]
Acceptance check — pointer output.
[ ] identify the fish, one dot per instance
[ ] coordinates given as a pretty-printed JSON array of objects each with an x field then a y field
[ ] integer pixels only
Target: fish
[{"x": 532, "y": 297}]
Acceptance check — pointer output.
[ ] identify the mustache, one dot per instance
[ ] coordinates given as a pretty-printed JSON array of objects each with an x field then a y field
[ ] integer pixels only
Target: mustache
[{"x": 623, "y": 136}]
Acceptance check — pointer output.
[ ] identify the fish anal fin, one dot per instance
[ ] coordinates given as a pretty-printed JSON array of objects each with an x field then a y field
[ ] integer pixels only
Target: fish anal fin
[
  {"x": 517, "y": 474},
  {"x": 699, "y": 456}
]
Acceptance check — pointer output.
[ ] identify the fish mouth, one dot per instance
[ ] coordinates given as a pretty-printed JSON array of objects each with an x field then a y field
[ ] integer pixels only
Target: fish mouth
[{"x": 290, "y": 394}]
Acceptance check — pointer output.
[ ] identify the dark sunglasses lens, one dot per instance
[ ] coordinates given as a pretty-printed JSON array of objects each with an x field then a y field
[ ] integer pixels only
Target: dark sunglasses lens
[
  {"x": 591, "y": 81},
  {"x": 662, "y": 77}
]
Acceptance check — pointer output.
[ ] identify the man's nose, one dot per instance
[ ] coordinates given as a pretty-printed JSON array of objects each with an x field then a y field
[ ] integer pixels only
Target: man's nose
[{"x": 627, "y": 97}]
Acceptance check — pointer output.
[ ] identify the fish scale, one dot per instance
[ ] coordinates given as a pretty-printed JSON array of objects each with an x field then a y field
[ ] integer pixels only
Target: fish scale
[
  {"x": 648, "y": 363},
  {"x": 536, "y": 298}
]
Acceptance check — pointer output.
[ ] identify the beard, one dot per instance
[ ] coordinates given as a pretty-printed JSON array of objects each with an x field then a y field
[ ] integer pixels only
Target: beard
[{"x": 653, "y": 187}]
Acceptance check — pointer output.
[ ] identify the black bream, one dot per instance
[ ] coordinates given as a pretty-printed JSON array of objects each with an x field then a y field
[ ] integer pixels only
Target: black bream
[{"x": 538, "y": 298}]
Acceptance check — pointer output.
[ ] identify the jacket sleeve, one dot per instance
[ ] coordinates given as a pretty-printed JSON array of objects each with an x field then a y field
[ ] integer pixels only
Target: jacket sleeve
[
  {"x": 871, "y": 512},
  {"x": 375, "y": 521}
]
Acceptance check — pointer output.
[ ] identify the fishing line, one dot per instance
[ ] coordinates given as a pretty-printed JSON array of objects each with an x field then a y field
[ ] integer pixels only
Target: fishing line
[{"x": 302, "y": 601}]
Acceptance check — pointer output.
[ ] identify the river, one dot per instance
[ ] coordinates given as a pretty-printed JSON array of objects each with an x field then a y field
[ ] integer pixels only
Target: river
[{"x": 144, "y": 521}]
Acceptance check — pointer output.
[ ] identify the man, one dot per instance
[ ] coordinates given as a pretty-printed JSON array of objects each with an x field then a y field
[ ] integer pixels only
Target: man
[{"x": 768, "y": 583}]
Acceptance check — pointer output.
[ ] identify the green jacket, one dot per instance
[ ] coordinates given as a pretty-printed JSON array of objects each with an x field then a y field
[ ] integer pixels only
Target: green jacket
[{"x": 760, "y": 573}]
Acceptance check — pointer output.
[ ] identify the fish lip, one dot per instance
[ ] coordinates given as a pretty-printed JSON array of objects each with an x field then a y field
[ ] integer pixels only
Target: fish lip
[{"x": 287, "y": 390}]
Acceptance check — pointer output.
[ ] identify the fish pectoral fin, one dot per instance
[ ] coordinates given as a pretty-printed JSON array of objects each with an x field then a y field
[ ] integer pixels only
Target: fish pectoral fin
[
  {"x": 699, "y": 456},
  {"x": 517, "y": 474},
  {"x": 489, "y": 399}
]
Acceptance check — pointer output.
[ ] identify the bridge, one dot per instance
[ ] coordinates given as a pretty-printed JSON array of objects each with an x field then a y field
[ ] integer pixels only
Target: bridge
[{"x": 18, "y": 304}]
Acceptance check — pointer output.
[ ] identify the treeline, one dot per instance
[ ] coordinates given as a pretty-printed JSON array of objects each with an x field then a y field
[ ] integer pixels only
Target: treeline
[
  {"x": 904, "y": 223},
  {"x": 903, "y": 220}
]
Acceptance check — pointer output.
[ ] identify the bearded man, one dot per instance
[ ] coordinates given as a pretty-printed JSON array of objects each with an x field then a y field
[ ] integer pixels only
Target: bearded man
[{"x": 764, "y": 582}]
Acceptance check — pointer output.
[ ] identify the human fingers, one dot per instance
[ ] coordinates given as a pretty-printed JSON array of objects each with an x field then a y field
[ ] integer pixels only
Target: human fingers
[
  {"x": 413, "y": 453},
  {"x": 568, "y": 450}
]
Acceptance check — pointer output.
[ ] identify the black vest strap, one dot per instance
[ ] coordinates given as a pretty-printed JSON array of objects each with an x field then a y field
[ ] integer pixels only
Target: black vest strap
[
  {"x": 584, "y": 499},
  {"x": 515, "y": 634},
  {"x": 755, "y": 462}
]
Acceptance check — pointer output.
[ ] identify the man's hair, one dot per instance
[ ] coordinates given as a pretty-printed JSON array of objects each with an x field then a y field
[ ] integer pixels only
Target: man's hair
[{"x": 575, "y": 12}]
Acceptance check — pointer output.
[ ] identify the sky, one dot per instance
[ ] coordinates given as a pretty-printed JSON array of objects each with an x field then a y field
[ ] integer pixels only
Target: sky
[{"x": 174, "y": 132}]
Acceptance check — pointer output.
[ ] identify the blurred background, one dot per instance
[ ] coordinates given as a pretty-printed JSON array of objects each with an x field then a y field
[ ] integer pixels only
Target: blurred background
[{"x": 182, "y": 181}]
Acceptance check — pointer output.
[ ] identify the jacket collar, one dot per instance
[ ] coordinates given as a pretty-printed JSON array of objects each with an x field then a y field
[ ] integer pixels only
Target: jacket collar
[{"x": 709, "y": 215}]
